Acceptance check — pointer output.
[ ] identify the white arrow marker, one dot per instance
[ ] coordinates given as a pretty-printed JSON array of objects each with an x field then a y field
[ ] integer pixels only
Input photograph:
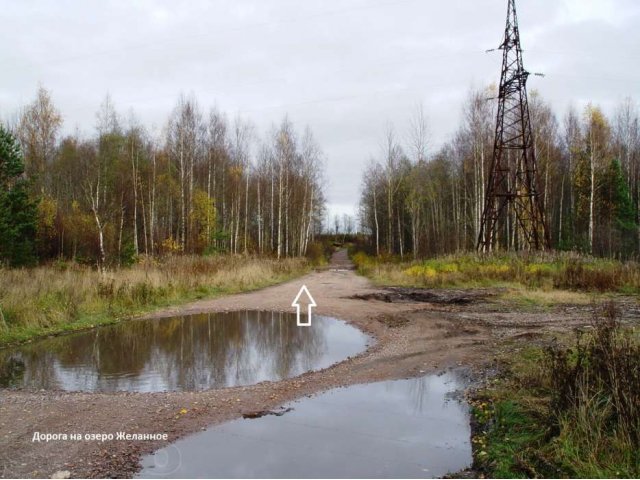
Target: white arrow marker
[{"x": 296, "y": 303}]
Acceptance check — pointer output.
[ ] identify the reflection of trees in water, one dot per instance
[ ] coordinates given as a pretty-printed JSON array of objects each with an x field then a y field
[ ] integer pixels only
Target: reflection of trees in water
[
  {"x": 11, "y": 369},
  {"x": 297, "y": 349},
  {"x": 418, "y": 391},
  {"x": 201, "y": 351},
  {"x": 31, "y": 365}
]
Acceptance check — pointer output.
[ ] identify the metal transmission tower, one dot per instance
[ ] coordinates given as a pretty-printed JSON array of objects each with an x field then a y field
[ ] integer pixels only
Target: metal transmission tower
[{"x": 513, "y": 215}]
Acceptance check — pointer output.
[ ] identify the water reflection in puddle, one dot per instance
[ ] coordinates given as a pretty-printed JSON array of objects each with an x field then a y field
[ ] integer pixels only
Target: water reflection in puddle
[
  {"x": 182, "y": 353},
  {"x": 399, "y": 429}
]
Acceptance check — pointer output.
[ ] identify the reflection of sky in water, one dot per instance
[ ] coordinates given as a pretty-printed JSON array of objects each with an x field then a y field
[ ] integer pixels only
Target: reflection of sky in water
[
  {"x": 182, "y": 353},
  {"x": 401, "y": 429}
]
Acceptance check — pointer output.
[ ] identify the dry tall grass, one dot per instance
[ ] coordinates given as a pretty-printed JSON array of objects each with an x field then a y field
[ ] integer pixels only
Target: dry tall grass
[
  {"x": 553, "y": 270},
  {"x": 62, "y": 296},
  {"x": 595, "y": 398}
]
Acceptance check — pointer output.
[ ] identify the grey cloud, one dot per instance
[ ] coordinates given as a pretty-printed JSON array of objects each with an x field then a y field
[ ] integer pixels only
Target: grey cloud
[{"x": 344, "y": 67}]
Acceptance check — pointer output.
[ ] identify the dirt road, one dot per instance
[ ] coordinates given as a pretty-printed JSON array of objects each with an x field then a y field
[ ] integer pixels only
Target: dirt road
[{"x": 411, "y": 338}]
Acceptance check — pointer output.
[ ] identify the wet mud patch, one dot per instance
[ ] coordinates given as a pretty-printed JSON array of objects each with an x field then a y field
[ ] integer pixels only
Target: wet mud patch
[
  {"x": 264, "y": 413},
  {"x": 393, "y": 321},
  {"x": 425, "y": 295}
]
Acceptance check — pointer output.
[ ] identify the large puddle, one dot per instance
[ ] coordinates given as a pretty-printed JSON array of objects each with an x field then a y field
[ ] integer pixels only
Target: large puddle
[
  {"x": 182, "y": 353},
  {"x": 400, "y": 429}
]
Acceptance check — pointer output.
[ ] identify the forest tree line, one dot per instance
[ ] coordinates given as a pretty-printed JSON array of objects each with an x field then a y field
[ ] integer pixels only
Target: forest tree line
[
  {"x": 417, "y": 202},
  {"x": 205, "y": 184}
]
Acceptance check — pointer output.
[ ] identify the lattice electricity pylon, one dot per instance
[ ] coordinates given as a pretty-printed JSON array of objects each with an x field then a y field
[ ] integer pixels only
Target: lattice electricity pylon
[{"x": 513, "y": 215}]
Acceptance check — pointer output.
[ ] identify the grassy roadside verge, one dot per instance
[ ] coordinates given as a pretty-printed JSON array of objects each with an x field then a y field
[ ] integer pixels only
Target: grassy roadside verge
[
  {"x": 526, "y": 279},
  {"x": 555, "y": 270},
  {"x": 67, "y": 297},
  {"x": 567, "y": 410}
]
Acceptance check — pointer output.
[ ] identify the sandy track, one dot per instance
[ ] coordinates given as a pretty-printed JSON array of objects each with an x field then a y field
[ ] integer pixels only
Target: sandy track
[{"x": 410, "y": 339}]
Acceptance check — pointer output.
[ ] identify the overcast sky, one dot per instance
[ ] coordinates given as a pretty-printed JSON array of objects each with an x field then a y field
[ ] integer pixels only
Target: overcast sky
[{"x": 346, "y": 68}]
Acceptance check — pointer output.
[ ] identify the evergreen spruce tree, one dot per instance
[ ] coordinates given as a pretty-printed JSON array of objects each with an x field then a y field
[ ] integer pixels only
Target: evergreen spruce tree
[
  {"x": 18, "y": 213},
  {"x": 621, "y": 211},
  {"x": 580, "y": 215}
]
